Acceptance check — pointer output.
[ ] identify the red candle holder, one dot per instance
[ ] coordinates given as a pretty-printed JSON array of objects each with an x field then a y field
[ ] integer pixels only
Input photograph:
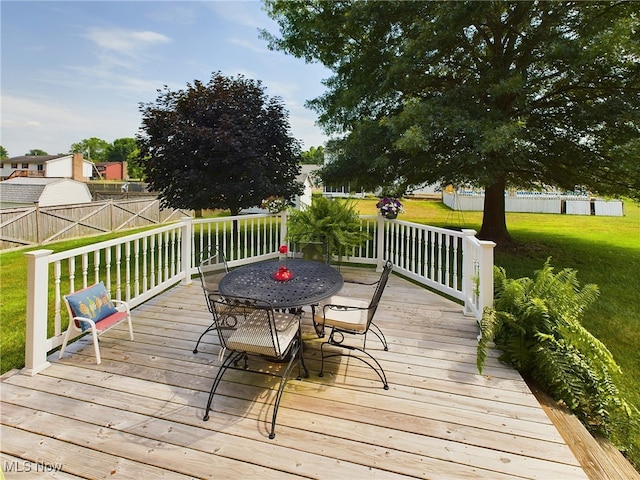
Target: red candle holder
[{"x": 283, "y": 274}]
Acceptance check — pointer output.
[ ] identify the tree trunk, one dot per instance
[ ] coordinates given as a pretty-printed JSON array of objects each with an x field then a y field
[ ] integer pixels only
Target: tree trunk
[
  {"x": 494, "y": 222},
  {"x": 235, "y": 229}
]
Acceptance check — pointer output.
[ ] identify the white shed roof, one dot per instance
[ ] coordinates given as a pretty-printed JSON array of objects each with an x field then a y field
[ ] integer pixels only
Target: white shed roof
[{"x": 46, "y": 191}]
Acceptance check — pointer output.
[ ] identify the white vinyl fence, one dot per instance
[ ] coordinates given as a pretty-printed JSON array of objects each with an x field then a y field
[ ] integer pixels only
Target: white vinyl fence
[{"x": 538, "y": 203}]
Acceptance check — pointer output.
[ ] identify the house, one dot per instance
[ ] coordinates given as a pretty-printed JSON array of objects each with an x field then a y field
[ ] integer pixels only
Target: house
[
  {"x": 301, "y": 201},
  {"x": 308, "y": 185},
  {"x": 340, "y": 190},
  {"x": 110, "y": 171},
  {"x": 46, "y": 192},
  {"x": 47, "y": 166}
]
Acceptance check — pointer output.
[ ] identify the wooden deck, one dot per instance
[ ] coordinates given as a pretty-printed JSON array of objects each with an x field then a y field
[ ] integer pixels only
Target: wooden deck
[{"x": 139, "y": 414}]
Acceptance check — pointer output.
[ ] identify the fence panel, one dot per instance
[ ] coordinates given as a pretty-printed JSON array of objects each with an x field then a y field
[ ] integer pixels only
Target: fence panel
[{"x": 21, "y": 227}]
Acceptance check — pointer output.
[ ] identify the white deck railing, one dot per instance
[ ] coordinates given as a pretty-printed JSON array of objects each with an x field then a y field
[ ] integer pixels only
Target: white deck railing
[{"x": 139, "y": 266}]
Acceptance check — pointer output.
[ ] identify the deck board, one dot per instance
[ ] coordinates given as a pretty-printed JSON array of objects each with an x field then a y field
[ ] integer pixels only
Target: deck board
[{"x": 139, "y": 413}]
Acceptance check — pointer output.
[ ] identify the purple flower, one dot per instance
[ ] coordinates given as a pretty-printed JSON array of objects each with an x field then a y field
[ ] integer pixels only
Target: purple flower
[{"x": 389, "y": 207}]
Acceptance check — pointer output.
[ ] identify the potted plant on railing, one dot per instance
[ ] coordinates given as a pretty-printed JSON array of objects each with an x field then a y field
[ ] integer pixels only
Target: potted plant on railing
[
  {"x": 389, "y": 207},
  {"x": 327, "y": 227}
]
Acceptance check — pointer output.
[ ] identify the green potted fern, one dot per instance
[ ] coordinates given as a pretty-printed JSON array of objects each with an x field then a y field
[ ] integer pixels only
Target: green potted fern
[{"x": 328, "y": 227}]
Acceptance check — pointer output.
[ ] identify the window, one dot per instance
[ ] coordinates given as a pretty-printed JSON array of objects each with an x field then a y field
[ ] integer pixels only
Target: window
[
  {"x": 25, "y": 165},
  {"x": 14, "y": 165},
  {"x": 336, "y": 189},
  {"x": 40, "y": 167}
]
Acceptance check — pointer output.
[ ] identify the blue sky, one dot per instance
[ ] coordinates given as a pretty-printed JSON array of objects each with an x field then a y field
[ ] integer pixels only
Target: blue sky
[{"x": 78, "y": 69}]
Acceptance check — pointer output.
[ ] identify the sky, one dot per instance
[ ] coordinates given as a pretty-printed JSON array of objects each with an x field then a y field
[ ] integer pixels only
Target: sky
[{"x": 73, "y": 70}]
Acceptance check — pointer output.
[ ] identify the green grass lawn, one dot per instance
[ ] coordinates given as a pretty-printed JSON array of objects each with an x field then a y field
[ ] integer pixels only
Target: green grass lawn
[{"x": 604, "y": 251}]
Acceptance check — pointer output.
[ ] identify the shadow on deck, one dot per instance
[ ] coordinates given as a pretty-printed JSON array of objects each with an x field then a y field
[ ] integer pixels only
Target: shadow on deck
[{"x": 140, "y": 412}]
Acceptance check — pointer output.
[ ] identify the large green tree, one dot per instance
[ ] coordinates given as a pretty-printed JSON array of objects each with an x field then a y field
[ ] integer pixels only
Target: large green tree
[
  {"x": 125, "y": 150},
  {"x": 222, "y": 144},
  {"x": 36, "y": 152},
  {"x": 94, "y": 149},
  {"x": 490, "y": 94},
  {"x": 313, "y": 156},
  {"x": 122, "y": 150}
]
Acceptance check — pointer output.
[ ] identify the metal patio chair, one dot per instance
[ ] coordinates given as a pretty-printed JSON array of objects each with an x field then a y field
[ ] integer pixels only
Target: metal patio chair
[
  {"x": 346, "y": 317},
  {"x": 249, "y": 327},
  {"x": 211, "y": 270}
]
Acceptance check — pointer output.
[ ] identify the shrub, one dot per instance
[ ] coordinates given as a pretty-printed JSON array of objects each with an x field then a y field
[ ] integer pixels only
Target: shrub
[
  {"x": 333, "y": 222},
  {"x": 536, "y": 323}
]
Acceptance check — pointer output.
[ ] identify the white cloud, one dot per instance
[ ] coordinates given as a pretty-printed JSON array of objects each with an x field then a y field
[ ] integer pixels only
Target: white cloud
[
  {"x": 52, "y": 126},
  {"x": 98, "y": 73},
  {"x": 126, "y": 42}
]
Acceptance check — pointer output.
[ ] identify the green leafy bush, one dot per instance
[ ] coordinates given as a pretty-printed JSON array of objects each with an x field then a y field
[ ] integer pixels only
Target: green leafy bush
[
  {"x": 333, "y": 222},
  {"x": 536, "y": 323}
]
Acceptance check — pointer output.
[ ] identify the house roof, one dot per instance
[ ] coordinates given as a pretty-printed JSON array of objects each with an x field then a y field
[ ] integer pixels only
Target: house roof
[
  {"x": 34, "y": 159},
  {"x": 306, "y": 173}
]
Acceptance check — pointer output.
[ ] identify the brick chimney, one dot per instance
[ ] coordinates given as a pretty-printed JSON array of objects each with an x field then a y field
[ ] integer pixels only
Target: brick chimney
[
  {"x": 125, "y": 171},
  {"x": 77, "y": 167}
]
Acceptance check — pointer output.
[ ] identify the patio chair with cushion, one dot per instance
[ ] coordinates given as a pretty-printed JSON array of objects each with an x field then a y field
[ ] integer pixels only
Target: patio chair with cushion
[
  {"x": 92, "y": 310},
  {"x": 249, "y": 327},
  {"x": 211, "y": 270},
  {"x": 346, "y": 316}
]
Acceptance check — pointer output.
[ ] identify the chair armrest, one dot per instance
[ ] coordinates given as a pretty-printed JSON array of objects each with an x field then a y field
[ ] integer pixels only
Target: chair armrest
[
  {"x": 91, "y": 323},
  {"x": 122, "y": 303}
]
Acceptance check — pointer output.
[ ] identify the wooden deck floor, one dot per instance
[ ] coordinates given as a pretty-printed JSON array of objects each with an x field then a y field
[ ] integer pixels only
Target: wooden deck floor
[{"x": 139, "y": 414}]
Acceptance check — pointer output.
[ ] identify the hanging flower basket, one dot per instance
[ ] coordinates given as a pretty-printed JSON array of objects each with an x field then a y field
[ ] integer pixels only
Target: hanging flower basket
[
  {"x": 389, "y": 207},
  {"x": 274, "y": 204}
]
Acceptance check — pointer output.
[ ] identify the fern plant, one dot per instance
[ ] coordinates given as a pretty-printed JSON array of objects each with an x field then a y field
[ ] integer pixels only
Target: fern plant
[
  {"x": 333, "y": 222},
  {"x": 536, "y": 323}
]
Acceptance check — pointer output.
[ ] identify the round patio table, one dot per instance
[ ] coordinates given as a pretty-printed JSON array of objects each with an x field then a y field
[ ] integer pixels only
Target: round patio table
[{"x": 311, "y": 283}]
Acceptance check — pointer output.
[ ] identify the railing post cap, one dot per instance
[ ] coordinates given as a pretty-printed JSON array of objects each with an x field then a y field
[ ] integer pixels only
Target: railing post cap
[{"x": 39, "y": 253}]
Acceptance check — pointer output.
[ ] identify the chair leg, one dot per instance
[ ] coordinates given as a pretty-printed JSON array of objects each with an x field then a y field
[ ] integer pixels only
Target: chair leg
[
  {"x": 283, "y": 381},
  {"x": 210, "y": 328},
  {"x": 130, "y": 328},
  {"x": 65, "y": 342},
  {"x": 378, "y": 333},
  {"x": 301, "y": 359},
  {"x": 96, "y": 346},
  {"x": 234, "y": 357},
  {"x": 373, "y": 364},
  {"x": 318, "y": 327}
]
